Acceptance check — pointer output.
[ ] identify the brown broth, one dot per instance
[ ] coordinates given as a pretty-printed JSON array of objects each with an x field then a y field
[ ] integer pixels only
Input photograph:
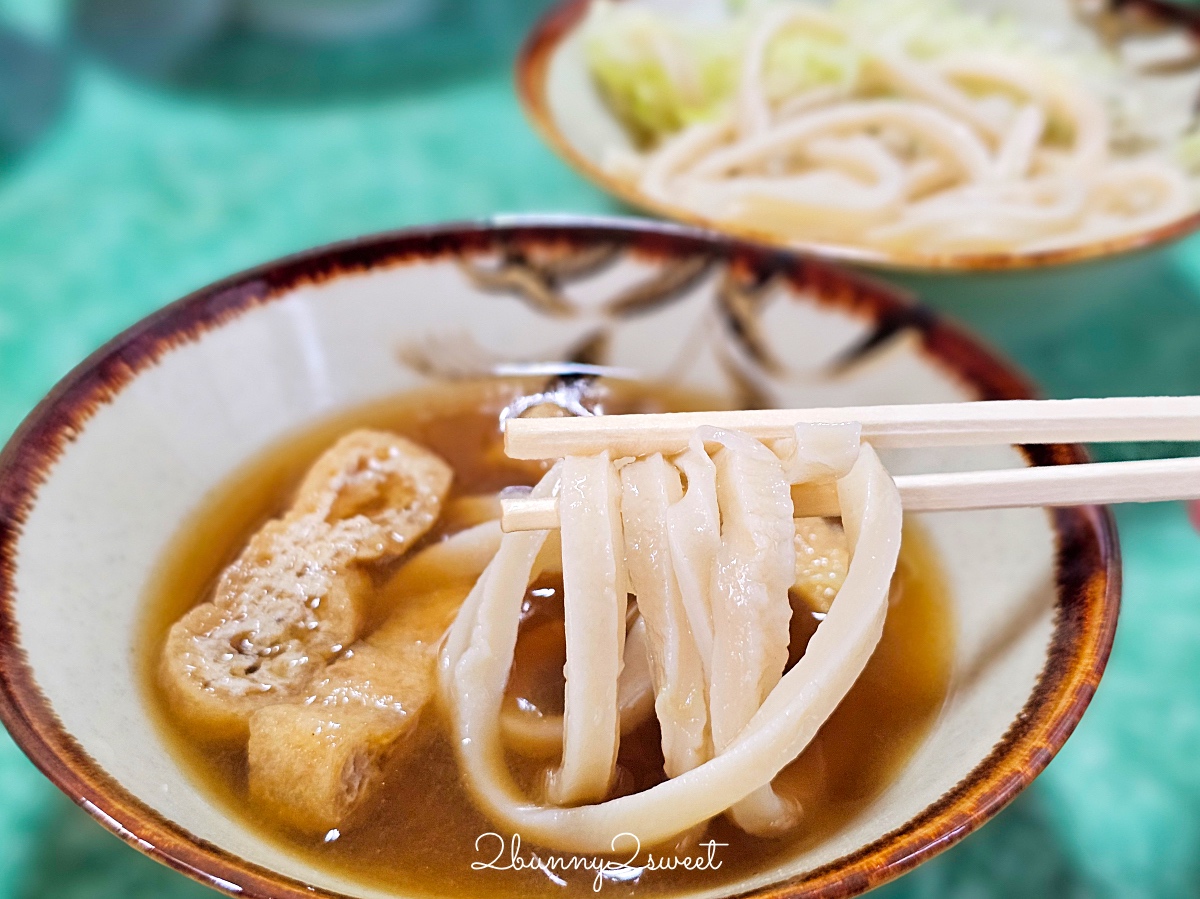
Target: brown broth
[{"x": 417, "y": 834}]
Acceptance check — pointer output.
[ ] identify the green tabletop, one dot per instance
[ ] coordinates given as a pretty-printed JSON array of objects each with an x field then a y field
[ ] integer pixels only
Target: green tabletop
[{"x": 169, "y": 161}]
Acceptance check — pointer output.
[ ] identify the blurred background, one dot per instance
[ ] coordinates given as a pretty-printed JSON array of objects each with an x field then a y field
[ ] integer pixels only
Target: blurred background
[{"x": 148, "y": 147}]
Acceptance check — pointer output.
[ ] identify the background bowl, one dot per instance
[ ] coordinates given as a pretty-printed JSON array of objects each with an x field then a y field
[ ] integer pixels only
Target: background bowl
[
  {"x": 96, "y": 481},
  {"x": 561, "y": 100}
]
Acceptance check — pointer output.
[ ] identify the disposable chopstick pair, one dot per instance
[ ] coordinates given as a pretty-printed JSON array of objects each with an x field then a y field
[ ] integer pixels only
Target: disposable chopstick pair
[{"x": 1117, "y": 419}]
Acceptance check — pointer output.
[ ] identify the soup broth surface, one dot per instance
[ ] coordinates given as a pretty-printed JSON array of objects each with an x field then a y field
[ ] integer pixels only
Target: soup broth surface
[{"x": 420, "y": 833}]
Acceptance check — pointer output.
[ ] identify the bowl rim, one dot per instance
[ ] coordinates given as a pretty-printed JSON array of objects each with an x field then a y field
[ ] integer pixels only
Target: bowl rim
[
  {"x": 1088, "y": 570},
  {"x": 531, "y": 73}
]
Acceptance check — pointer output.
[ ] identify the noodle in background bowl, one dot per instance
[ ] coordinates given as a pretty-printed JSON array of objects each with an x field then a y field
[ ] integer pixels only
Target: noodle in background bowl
[
  {"x": 561, "y": 99},
  {"x": 98, "y": 479}
]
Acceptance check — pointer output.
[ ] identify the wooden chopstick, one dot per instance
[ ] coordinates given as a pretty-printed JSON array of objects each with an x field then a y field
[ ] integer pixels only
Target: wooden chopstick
[
  {"x": 1157, "y": 480},
  {"x": 1117, "y": 419}
]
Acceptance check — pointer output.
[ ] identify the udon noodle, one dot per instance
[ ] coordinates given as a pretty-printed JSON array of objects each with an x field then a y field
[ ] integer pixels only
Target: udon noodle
[
  {"x": 826, "y": 127},
  {"x": 731, "y": 719}
]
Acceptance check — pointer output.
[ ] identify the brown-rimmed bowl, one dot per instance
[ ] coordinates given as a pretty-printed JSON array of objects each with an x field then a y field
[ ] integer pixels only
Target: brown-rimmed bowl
[
  {"x": 561, "y": 100},
  {"x": 100, "y": 476}
]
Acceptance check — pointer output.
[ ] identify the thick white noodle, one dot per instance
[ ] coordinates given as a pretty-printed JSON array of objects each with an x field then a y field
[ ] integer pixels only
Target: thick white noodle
[
  {"x": 513, "y": 562},
  {"x": 753, "y": 104},
  {"x": 925, "y": 176},
  {"x": 1015, "y": 156},
  {"x": 861, "y": 185},
  {"x": 678, "y": 153},
  {"x": 595, "y": 590},
  {"x": 786, "y": 723},
  {"x": 1016, "y": 211},
  {"x": 650, "y": 487},
  {"x": 694, "y": 536},
  {"x": 1121, "y": 184},
  {"x": 1124, "y": 184},
  {"x": 542, "y": 735},
  {"x": 809, "y": 100},
  {"x": 460, "y": 557},
  {"x": 825, "y": 205},
  {"x": 1045, "y": 88},
  {"x": 821, "y": 192},
  {"x": 819, "y": 452},
  {"x": 946, "y": 135},
  {"x": 476, "y": 508},
  {"x": 919, "y": 82},
  {"x": 549, "y": 560},
  {"x": 755, "y": 567},
  {"x": 862, "y": 156},
  {"x": 635, "y": 686}
]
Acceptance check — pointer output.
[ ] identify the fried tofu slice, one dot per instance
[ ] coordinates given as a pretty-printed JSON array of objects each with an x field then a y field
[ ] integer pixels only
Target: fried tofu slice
[
  {"x": 312, "y": 762},
  {"x": 822, "y": 560},
  {"x": 382, "y": 491},
  {"x": 289, "y": 603},
  {"x": 295, "y": 598}
]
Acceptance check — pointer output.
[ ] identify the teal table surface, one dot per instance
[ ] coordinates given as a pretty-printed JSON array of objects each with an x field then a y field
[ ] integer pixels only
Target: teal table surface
[{"x": 157, "y": 167}]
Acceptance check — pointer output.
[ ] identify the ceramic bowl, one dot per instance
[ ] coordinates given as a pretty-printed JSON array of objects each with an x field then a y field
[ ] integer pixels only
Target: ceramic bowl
[
  {"x": 101, "y": 475},
  {"x": 562, "y": 102}
]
